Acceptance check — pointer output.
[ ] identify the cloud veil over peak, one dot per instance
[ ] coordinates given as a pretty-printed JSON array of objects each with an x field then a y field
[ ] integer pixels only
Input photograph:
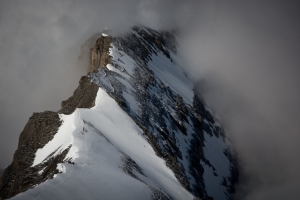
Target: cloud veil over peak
[{"x": 242, "y": 55}]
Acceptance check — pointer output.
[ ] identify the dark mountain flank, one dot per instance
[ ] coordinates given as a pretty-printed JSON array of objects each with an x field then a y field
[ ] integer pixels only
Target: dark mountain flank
[{"x": 135, "y": 72}]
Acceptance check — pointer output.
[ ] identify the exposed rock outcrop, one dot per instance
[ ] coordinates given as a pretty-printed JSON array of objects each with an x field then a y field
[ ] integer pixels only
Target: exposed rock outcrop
[
  {"x": 83, "y": 97},
  {"x": 99, "y": 53},
  {"x": 20, "y": 176},
  {"x": 39, "y": 130}
]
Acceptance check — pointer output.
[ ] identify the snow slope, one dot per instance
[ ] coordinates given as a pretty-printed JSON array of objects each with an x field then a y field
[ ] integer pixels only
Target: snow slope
[
  {"x": 172, "y": 75},
  {"x": 109, "y": 134}
]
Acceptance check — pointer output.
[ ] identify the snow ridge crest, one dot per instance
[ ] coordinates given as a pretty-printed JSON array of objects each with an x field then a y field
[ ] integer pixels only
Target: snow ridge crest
[{"x": 134, "y": 129}]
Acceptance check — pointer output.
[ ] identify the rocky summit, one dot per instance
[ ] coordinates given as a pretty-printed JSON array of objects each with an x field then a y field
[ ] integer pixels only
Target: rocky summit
[{"x": 133, "y": 129}]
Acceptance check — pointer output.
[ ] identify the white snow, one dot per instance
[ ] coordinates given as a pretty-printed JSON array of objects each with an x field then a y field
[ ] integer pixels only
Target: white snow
[
  {"x": 104, "y": 35},
  {"x": 110, "y": 67},
  {"x": 61, "y": 168},
  {"x": 169, "y": 72},
  {"x": 121, "y": 58},
  {"x": 172, "y": 75},
  {"x": 97, "y": 152},
  {"x": 133, "y": 104},
  {"x": 41, "y": 171},
  {"x": 61, "y": 140}
]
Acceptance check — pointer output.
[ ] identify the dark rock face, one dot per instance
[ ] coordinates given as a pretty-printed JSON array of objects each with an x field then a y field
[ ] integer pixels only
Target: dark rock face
[
  {"x": 39, "y": 130},
  {"x": 83, "y": 97},
  {"x": 20, "y": 176},
  {"x": 99, "y": 54}
]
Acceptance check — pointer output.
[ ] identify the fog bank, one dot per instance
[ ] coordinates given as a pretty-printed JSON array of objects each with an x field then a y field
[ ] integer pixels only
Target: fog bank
[
  {"x": 242, "y": 54},
  {"x": 245, "y": 56}
]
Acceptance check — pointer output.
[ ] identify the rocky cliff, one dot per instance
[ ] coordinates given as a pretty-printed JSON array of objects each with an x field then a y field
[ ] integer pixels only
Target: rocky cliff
[
  {"x": 99, "y": 53},
  {"x": 20, "y": 175},
  {"x": 83, "y": 97}
]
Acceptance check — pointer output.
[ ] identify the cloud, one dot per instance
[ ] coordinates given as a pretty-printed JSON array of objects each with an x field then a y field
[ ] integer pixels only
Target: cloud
[
  {"x": 40, "y": 43},
  {"x": 242, "y": 54},
  {"x": 245, "y": 58}
]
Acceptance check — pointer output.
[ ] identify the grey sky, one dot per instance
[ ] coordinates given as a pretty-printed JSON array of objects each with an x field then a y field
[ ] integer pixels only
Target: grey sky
[{"x": 244, "y": 55}]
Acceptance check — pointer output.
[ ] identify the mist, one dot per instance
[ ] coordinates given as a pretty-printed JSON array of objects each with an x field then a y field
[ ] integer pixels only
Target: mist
[
  {"x": 245, "y": 57},
  {"x": 242, "y": 55},
  {"x": 41, "y": 55}
]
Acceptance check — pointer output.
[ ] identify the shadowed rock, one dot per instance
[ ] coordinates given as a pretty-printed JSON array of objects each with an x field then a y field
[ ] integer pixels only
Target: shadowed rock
[
  {"x": 20, "y": 176},
  {"x": 83, "y": 97}
]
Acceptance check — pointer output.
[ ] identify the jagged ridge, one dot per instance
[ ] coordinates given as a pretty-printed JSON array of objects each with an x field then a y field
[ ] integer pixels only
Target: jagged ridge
[
  {"x": 20, "y": 176},
  {"x": 167, "y": 119}
]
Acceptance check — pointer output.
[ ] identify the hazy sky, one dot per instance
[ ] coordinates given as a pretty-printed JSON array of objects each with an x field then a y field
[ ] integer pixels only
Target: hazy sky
[{"x": 244, "y": 56}]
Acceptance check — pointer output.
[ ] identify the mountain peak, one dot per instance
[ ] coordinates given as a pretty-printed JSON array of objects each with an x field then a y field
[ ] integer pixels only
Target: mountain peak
[
  {"x": 133, "y": 129},
  {"x": 99, "y": 53}
]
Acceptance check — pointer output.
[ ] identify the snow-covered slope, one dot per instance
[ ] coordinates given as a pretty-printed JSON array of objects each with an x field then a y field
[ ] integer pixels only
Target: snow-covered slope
[
  {"x": 147, "y": 136},
  {"x": 112, "y": 159}
]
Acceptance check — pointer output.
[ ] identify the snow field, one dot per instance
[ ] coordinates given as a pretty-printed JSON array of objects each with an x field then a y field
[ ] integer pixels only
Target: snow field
[
  {"x": 172, "y": 75},
  {"x": 97, "y": 150}
]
